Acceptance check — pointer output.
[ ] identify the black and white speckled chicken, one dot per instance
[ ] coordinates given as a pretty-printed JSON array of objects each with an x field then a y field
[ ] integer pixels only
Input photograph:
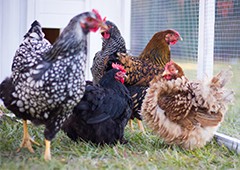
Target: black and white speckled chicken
[
  {"x": 112, "y": 43},
  {"x": 186, "y": 113},
  {"x": 103, "y": 112},
  {"x": 47, "y": 82}
]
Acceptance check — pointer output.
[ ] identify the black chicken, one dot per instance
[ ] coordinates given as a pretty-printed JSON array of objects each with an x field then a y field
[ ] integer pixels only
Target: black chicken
[
  {"x": 112, "y": 42},
  {"x": 103, "y": 112},
  {"x": 46, "y": 84}
]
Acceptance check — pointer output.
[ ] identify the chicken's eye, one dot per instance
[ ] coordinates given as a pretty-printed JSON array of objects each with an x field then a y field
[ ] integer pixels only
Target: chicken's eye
[
  {"x": 172, "y": 70},
  {"x": 89, "y": 19}
]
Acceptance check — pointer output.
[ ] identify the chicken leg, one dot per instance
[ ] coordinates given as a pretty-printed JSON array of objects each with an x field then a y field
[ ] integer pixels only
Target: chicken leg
[
  {"x": 131, "y": 124},
  {"x": 27, "y": 140},
  {"x": 47, "y": 154},
  {"x": 140, "y": 125}
]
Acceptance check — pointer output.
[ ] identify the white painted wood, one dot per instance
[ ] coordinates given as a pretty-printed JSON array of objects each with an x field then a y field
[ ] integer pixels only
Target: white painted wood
[
  {"x": 206, "y": 38},
  {"x": 57, "y": 13},
  {"x": 31, "y": 12},
  {"x": 13, "y": 27},
  {"x": 126, "y": 20},
  {"x": 116, "y": 11},
  {"x": 16, "y": 18}
]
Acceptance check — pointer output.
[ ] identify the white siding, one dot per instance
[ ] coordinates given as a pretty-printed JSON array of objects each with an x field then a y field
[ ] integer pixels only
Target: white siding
[
  {"x": 17, "y": 17},
  {"x": 12, "y": 30}
]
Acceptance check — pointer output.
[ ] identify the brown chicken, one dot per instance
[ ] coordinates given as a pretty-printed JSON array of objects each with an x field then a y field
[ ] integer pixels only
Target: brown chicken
[
  {"x": 138, "y": 92},
  {"x": 142, "y": 69},
  {"x": 183, "y": 112}
]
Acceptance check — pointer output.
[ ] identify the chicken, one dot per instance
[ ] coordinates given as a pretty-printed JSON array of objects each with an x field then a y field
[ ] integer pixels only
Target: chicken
[
  {"x": 46, "y": 84},
  {"x": 142, "y": 69},
  {"x": 103, "y": 112},
  {"x": 112, "y": 43},
  {"x": 186, "y": 113},
  {"x": 137, "y": 93}
]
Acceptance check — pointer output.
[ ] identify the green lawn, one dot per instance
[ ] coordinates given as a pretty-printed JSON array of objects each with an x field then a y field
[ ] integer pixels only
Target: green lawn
[{"x": 143, "y": 151}]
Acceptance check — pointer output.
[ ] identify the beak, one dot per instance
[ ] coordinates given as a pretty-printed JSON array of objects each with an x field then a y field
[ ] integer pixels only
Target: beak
[
  {"x": 102, "y": 30},
  {"x": 125, "y": 75},
  {"x": 180, "y": 38},
  {"x": 103, "y": 26},
  {"x": 165, "y": 73}
]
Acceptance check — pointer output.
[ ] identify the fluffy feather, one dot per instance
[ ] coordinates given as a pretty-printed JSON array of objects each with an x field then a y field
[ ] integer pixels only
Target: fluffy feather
[{"x": 187, "y": 113}]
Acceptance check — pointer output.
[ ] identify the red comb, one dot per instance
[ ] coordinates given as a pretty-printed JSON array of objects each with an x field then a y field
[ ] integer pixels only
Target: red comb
[
  {"x": 168, "y": 64},
  {"x": 176, "y": 32},
  {"x": 104, "y": 19},
  {"x": 97, "y": 14},
  {"x": 119, "y": 67}
]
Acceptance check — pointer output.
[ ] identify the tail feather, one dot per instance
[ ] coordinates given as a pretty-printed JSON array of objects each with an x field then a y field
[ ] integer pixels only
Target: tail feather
[
  {"x": 228, "y": 96},
  {"x": 35, "y": 31},
  {"x": 218, "y": 82},
  {"x": 222, "y": 78},
  {"x": 6, "y": 89}
]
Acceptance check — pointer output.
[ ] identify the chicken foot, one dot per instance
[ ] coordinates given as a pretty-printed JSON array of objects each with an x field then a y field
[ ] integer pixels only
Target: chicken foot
[
  {"x": 140, "y": 125},
  {"x": 27, "y": 140}
]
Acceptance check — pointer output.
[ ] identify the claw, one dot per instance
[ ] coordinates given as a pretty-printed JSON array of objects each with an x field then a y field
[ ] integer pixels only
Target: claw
[{"x": 27, "y": 141}]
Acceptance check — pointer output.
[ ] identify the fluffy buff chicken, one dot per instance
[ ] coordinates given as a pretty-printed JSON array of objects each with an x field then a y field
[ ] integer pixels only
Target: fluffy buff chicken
[
  {"x": 103, "y": 112},
  {"x": 48, "y": 81},
  {"x": 112, "y": 43},
  {"x": 183, "y": 112}
]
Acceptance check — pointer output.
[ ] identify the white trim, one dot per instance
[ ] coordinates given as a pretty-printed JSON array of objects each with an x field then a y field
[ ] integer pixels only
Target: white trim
[
  {"x": 126, "y": 20},
  {"x": 13, "y": 28}
]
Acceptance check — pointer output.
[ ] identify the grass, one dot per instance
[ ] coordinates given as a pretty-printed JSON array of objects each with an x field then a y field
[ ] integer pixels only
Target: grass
[{"x": 143, "y": 151}]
